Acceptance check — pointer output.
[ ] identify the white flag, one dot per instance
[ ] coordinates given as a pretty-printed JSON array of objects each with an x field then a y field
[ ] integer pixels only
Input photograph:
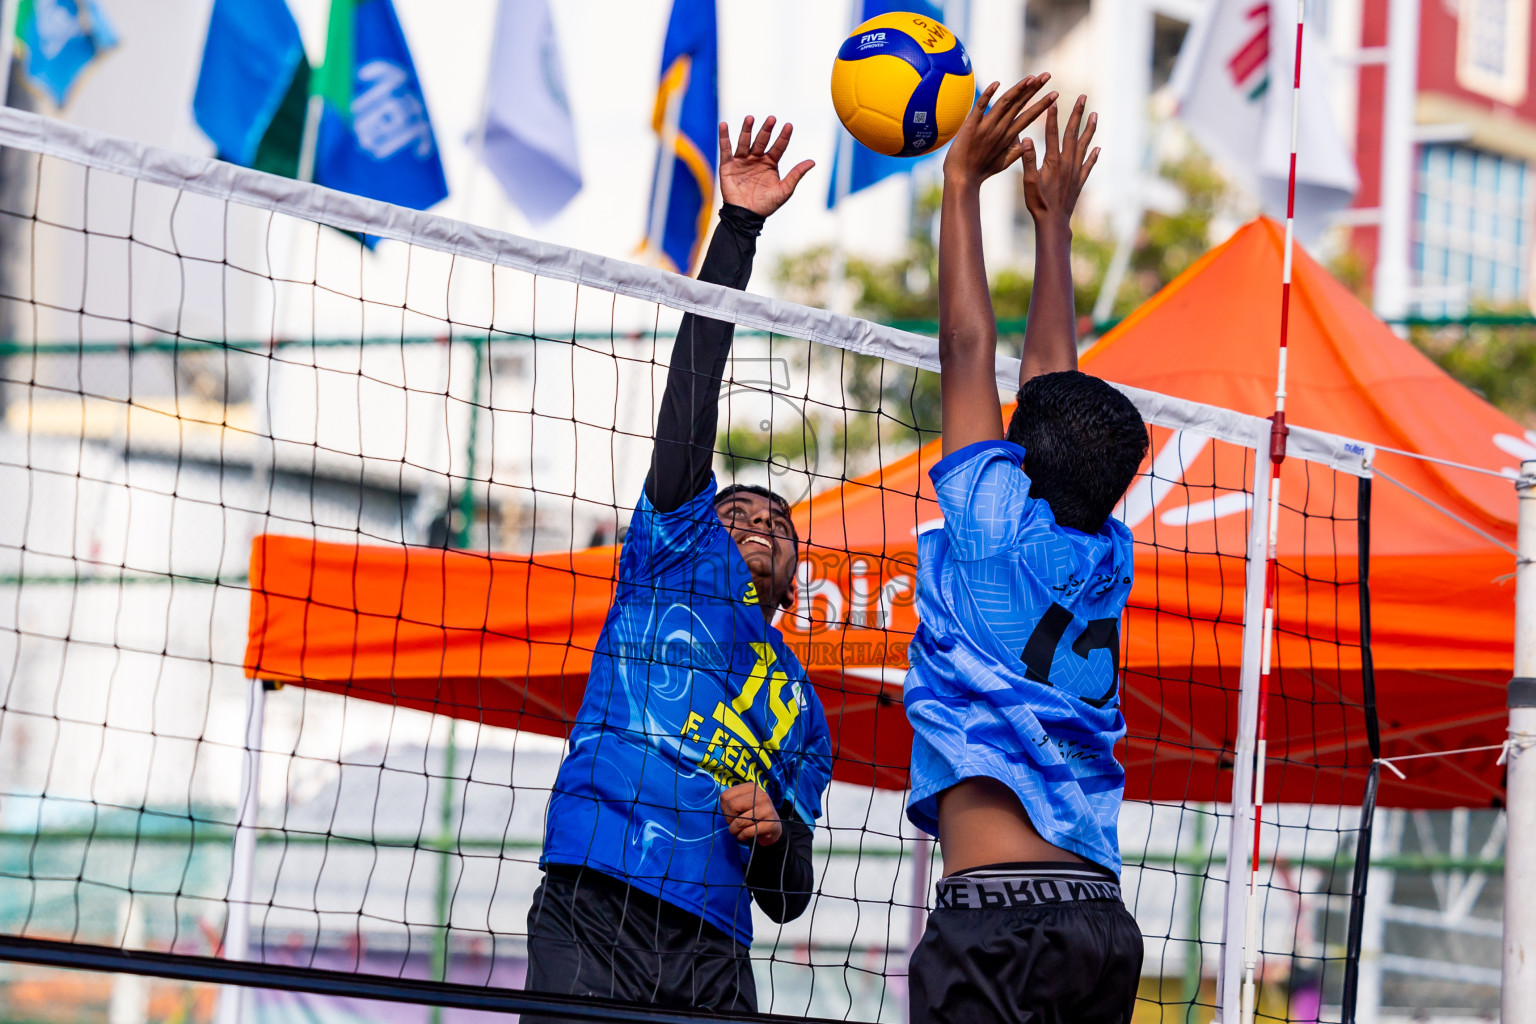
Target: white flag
[
  {"x": 530, "y": 140},
  {"x": 1233, "y": 86}
]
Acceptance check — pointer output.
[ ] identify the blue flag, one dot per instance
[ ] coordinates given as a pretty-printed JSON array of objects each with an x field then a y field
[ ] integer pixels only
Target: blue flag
[
  {"x": 375, "y": 137},
  {"x": 687, "y": 116},
  {"x": 254, "y": 84},
  {"x": 61, "y": 38},
  {"x": 869, "y": 167}
]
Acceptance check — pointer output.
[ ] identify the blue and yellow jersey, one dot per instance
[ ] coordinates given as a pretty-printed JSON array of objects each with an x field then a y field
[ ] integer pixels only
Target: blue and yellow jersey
[
  {"x": 691, "y": 692},
  {"x": 1014, "y": 668}
]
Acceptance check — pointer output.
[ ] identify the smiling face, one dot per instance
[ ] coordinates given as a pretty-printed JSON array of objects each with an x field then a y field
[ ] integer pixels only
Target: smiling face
[{"x": 765, "y": 536}]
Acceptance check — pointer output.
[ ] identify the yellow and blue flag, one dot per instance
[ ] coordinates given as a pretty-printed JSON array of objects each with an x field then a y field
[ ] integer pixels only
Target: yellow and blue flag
[
  {"x": 61, "y": 37},
  {"x": 854, "y": 165},
  {"x": 686, "y": 119}
]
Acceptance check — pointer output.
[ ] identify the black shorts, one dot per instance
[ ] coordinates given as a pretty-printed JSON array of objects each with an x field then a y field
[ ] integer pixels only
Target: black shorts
[
  {"x": 590, "y": 934},
  {"x": 1027, "y": 944}
]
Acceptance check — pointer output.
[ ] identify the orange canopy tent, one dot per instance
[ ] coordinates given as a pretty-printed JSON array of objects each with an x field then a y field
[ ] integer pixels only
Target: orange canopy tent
[{"x": 506, "y": 640}]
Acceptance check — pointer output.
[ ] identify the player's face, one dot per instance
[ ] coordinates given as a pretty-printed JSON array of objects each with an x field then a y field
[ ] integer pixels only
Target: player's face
[{"x": 765, "y": 537}]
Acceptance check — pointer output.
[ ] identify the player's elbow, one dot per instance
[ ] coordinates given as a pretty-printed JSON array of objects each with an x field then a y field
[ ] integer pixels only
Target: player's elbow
[
  {"x": 782, "y": 907},
  {"x": 962, "y": 346}
]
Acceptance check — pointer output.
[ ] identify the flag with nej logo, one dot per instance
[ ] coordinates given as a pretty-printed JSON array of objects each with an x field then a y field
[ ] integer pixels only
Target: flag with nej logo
[
  {"x": 375, "y": 137},
  {"x": 256, "y": 93}
]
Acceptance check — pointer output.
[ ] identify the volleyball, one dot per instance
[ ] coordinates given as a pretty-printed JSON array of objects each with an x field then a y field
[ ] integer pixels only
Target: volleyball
[{"x": 902, "y": 84}]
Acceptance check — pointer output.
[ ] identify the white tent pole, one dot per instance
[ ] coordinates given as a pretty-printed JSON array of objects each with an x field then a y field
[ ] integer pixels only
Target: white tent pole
[
  {"x": 237, "y": 926},
  {"x": 1519, "y": 994},
  {"x": 1234, "y": 927},
  {"x": 1392, "y": 282}
]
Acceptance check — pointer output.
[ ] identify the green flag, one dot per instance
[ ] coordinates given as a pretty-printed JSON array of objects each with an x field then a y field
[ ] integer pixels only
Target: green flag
[{"x": 333, "y": 82}]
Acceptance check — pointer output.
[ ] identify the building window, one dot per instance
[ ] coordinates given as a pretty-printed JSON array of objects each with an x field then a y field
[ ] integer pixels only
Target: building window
[
  {"x": 1493, "y": 41},
  {"x": 1471, "y": 229}
]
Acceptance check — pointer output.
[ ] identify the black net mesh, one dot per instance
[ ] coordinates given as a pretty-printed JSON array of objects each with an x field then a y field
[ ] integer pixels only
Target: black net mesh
[{"x": 241, "y": 447}]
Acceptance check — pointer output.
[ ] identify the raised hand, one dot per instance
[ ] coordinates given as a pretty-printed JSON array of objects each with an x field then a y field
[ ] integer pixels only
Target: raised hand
[
  {"x": 749, "y": 175},
  {"x": 1052, "y": 188},
  {"x": 989, "y": 139}
]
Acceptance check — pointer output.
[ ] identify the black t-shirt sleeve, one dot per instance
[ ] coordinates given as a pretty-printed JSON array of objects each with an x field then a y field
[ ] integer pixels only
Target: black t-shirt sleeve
[
  {"x": 781, "y": 876},
  {"x": 688, "y": 418}
]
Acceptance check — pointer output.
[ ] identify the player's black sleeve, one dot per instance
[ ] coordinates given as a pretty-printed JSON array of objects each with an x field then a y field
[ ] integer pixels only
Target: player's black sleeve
[
  {"x": 685, "y": 426},
  {"x": 781, "y": 876}
]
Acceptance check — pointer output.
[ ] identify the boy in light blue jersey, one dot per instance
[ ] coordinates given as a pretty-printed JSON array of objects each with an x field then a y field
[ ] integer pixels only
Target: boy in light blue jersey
[{"x": 1012, "y": 693}]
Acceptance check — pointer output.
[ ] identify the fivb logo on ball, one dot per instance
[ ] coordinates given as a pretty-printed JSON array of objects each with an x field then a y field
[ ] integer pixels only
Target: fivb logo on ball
[{"x": 902, "y": 84}]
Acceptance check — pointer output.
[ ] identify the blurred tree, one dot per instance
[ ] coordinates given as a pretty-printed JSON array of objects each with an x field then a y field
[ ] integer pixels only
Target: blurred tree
[
  {"x": 1168, "y": 242},
  {"x": 1498, "y": 361}
]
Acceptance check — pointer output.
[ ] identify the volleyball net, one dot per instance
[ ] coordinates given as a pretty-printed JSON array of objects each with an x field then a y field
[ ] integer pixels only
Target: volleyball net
[{"x": 306, "y": 547}]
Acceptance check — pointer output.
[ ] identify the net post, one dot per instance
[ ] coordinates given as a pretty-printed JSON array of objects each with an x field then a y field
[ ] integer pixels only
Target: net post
[
  {"x": 237, "y": 924},
  {"x": 1235, "y": 902},
  {"x": 1360, "y": 876},
  {"x": 1519, "y": 988}
]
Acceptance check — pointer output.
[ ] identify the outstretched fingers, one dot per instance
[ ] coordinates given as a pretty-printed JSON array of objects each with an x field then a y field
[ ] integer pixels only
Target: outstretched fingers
[
  {"x": 1017, "y": 95},
  {"x": 1093, "y": 158},
  {"x": 725, "y": 142},
  {"x": 1034, "y": 110},
  {"x": 776, "y": 151},
  {"x": 1005, "y": 111},
  {"x": 1070, "y": 142},
  {"x": 1085, "y": 140},
  {"x": 1052, "y": 140},
  {"x": 797, "y": 172},
  {"x": 764, "y": 134},
  {"x": 744, "y": 140},
  {"x": 983, "y": 102}
]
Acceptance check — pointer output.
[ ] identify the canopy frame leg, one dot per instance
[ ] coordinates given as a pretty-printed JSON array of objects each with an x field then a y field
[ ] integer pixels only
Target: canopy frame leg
[{"x": 237, "y": 926}]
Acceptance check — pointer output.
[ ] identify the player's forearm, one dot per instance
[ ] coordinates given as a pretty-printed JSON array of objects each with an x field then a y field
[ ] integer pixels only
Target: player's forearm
[
  {"x": 967, "y": 329},
  {"x": 782, "y": 876},
  {"x": 1050, "y": 336},
  {"x": 687, "y": 421}
]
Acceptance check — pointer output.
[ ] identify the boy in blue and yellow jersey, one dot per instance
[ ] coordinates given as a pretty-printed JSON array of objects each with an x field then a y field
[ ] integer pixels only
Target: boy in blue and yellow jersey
[
  {"x": 1012, "y": 693},
  {"x": 698, "y": 758}
]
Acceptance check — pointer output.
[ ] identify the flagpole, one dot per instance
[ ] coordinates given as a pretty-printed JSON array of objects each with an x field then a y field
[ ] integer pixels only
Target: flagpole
[
  {"x": 837, "y": 272},
  {"x": 666, "y": 160},
  {"x": 10, "y": 10},
  {"x": 314, "y": 110},
  {"x": 311, "y": 138}
]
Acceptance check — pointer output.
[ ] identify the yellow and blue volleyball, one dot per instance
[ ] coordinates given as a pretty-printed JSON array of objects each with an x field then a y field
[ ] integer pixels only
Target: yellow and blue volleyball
[{"x": 902, "y": 84}]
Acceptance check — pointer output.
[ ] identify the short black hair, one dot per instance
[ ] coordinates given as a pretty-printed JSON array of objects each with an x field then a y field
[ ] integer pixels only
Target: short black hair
[
  {"x": 777, "y": 500},
  {"x": 1083, "y": 442}
]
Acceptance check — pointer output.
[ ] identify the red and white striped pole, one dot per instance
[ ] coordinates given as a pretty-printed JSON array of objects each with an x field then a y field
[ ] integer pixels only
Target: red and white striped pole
[{"x": 1277, "y": 435}]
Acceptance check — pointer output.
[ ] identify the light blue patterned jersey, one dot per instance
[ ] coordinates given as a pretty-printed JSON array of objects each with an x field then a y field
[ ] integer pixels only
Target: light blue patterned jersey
[
  {"x": 690, "y": 692},
  {"x": 1014, "y": 667}
]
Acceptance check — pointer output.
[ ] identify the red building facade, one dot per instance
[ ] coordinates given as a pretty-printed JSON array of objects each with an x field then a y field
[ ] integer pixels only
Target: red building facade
[{"x": 1475, "y": 151}]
